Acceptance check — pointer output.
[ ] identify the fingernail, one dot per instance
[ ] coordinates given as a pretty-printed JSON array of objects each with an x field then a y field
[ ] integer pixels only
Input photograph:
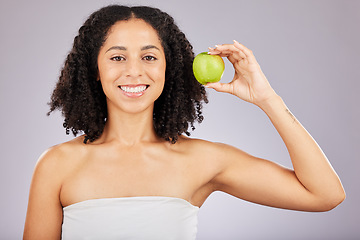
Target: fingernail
[{"x": 216, "y": 46}]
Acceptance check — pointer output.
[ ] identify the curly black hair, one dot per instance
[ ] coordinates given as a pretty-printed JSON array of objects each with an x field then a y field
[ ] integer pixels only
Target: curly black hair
[{"x": 81, "y": 99}]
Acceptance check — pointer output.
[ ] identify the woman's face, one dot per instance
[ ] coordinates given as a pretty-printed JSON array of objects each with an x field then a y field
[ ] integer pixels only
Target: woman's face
[{"x": 132, "y": 66}]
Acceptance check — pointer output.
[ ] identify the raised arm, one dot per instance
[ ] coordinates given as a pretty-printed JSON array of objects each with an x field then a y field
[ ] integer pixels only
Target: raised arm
[{"x": 313, "y": 185}]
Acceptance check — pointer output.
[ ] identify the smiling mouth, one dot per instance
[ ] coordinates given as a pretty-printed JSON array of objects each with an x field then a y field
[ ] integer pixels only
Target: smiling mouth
[{"x": 133, "y": 89}]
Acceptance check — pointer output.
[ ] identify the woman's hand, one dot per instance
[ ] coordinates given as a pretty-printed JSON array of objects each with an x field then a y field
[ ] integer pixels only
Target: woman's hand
[
  {"x": 249, "y": 82},
  {"x": 313, "y": 185}
]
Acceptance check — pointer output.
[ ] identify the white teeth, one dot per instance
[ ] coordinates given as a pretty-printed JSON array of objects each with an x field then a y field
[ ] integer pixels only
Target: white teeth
[{"x": 133, "y": 89}]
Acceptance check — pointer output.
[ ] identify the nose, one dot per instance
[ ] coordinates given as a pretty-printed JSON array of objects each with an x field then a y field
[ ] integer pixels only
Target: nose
[{"x": 134, "y": 68}]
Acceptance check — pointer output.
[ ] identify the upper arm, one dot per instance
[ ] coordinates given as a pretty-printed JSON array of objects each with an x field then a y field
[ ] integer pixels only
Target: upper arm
[
  {"x": 261, "y": 181},
  {"x": 44, "y": 214}
]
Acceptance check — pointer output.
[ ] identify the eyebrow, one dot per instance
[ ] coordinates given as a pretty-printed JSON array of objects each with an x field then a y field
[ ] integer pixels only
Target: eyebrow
[{"x": 124, "y": 48}]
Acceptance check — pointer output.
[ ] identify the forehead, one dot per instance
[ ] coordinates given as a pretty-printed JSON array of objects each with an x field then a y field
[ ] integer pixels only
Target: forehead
[{"x": 133, "y": 31}]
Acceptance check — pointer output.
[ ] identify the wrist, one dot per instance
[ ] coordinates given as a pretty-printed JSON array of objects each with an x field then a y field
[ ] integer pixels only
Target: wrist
[{"x": 271, "y": 102}]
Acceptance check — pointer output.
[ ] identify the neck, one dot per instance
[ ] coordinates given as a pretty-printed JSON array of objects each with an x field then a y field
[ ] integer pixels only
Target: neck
[{"x": 129, "y": 128}]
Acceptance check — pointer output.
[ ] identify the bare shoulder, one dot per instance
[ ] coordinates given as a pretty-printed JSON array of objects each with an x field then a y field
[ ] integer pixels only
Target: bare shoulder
[
  {"x": 209, "y": 160},
  {"x": 58, "y": 158},
  {"x": 219, "y": 156},
  {"x": 194, "y": 144},
  {"x": 207, "y": 148},
  {"x": 215, "y": 154},
  {"x": 52, "y": 168},
  {"x": 44, "y": 214}
]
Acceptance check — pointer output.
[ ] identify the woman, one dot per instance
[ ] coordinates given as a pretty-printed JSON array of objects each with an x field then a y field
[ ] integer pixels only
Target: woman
[{"x": 128, "y": 85}]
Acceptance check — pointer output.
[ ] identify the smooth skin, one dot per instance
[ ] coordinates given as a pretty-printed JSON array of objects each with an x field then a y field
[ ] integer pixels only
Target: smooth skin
[{"x": 130, "y": 160}]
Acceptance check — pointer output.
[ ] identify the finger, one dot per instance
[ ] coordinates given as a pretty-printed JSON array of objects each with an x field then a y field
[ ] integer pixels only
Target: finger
[
  {"x": 220, "y": 87},
  {"x": 247, "y": 53},
  {"x": 230, "y": 49},
  {"x": 232, "y": 59},
  {"x": 232, "y": 56},
  {"x": 213, "y": 51},
  {"x": 229, "y": 55},
  {"x": 244, "y": 49},
  {"x": 222, "y": 49}
]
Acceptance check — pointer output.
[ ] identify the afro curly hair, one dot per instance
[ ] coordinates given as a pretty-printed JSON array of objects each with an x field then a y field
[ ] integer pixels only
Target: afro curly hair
[{"x": 81, "y": 99}]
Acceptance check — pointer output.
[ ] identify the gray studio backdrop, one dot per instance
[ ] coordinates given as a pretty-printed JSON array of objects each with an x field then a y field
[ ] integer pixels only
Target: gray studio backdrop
[{"x": 309, "y": 51}]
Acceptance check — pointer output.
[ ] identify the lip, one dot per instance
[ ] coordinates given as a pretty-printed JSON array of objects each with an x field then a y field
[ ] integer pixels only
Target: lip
[{"x": 133, "y": 94}]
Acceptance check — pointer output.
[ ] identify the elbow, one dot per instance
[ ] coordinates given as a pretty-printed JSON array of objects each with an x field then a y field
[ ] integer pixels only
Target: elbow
[
  {"x": 333, "y": 201},
  {"x": 339, "y": 199}
]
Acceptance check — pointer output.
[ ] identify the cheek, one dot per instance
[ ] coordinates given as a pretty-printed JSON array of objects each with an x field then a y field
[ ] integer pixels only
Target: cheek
[
  {"x": 156, "y": 73},
  {"x": 109, "y": 74},
  {"x": 160, "y": 73}
]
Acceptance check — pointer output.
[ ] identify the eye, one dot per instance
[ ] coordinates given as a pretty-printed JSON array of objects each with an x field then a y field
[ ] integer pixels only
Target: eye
[
  {"x": 117, "y": 58},
  {"x": 150, "y": 58}
]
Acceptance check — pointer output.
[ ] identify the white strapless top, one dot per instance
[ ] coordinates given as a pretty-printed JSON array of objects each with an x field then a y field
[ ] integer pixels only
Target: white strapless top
[{"x": 130, "y": 218}]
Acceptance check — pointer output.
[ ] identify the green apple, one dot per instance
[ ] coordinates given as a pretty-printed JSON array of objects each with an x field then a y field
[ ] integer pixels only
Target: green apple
[{"x": 208, "y": 68}]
